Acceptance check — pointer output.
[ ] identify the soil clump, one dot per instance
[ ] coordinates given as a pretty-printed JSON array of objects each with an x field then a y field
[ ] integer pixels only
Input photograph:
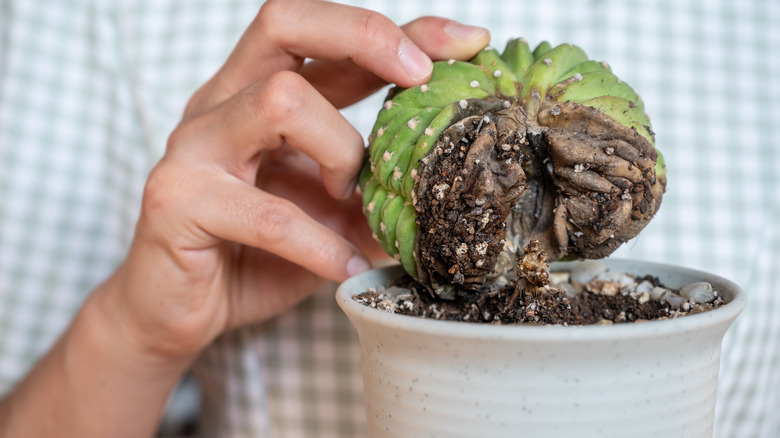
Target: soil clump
[{"x": 588, "y": 294}]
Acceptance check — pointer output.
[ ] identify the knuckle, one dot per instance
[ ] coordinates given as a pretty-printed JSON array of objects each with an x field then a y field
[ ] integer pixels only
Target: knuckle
[
  {"x": 273, "y": 219},
  {"x": 178, "y": 137},
  {"x": 187, "y": 135},
  {"x": 197, "y": 104},
  {"x": 332, "y": 252},
  {"x": 373, "y": 26},
  {"x": 167, "y": 191},
  {"x": 281, "y": 96},
  {"x": 158, "y": 194},
  {"x": 271, "y": 18}
]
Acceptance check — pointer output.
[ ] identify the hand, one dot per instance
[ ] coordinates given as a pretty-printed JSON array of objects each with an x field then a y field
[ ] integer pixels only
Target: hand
[
  {"x": 253, "y": 203},
  {"x": 250, "y": 208}
]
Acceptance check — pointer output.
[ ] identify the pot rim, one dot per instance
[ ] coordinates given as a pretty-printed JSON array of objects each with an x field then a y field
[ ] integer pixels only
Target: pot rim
[{"x": 735, "y": 296}]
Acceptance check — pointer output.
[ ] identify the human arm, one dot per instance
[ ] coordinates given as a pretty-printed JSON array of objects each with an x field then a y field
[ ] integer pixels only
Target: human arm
[{"x": 232, "y": 174}]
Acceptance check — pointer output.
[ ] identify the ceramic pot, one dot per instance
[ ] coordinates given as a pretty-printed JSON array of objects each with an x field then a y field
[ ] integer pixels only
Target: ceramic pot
[{"x": 428, "y": 378}]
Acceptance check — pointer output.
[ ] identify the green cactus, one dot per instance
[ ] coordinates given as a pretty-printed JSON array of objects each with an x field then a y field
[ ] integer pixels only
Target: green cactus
[{"x": 540, "y": 144}]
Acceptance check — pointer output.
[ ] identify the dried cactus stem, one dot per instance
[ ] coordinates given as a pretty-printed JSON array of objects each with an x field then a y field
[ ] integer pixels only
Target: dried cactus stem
[
  {"x": 535, "y": 211},
  {"x": 468, "y": 185},
  {"x": 572, "y": 179},
  {"x": 533, "y": 273},
  {"x": 541, "y": 301},
  {"x": 605, "y": 177}
]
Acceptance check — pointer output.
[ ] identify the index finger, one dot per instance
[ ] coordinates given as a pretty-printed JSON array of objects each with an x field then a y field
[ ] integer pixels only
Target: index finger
[
  {"x": 286, "y": 32},
  {"x": 344, "y": 82}
]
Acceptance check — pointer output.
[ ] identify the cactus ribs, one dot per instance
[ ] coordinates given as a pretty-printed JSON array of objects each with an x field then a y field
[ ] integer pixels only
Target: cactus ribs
[{"x": 544, "y": 145}]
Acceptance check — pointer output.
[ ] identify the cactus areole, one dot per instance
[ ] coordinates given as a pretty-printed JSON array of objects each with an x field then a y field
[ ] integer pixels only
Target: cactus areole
[{"x": 462, "y": 172}]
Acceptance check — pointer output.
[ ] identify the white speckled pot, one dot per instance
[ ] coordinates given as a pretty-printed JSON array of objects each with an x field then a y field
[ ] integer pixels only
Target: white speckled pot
[{"x": 426, "y": 378}]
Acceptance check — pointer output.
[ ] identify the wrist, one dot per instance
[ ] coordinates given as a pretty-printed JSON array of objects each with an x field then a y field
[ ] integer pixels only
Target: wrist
[
  {"x": 108, "y": 323},
  {"x": 160, "y": 309},
  {"x": 94, "y": 382}
]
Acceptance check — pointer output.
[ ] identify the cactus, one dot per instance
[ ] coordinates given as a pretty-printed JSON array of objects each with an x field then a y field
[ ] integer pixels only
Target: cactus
[{"x": 540, "y": 144}]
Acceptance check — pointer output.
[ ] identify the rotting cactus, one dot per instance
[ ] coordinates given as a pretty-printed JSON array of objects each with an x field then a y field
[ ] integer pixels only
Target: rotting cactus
[{"x": 462, "y": 172}]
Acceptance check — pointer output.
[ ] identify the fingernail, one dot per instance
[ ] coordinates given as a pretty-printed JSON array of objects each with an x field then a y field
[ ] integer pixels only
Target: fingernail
[
  {"x": 356, "y": 265},
  {"x": 350, "y": 190},
  {"x": 464, "y": 32},
  {"x": 415, "y": 62}
]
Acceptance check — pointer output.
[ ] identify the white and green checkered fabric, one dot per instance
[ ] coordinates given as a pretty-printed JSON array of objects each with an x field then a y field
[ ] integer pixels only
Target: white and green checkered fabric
[{"x": 89, "y": 91}]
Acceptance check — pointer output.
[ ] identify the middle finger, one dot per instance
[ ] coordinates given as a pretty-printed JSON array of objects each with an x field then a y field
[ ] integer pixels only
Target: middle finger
[{"x": 265, "y": 116}]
